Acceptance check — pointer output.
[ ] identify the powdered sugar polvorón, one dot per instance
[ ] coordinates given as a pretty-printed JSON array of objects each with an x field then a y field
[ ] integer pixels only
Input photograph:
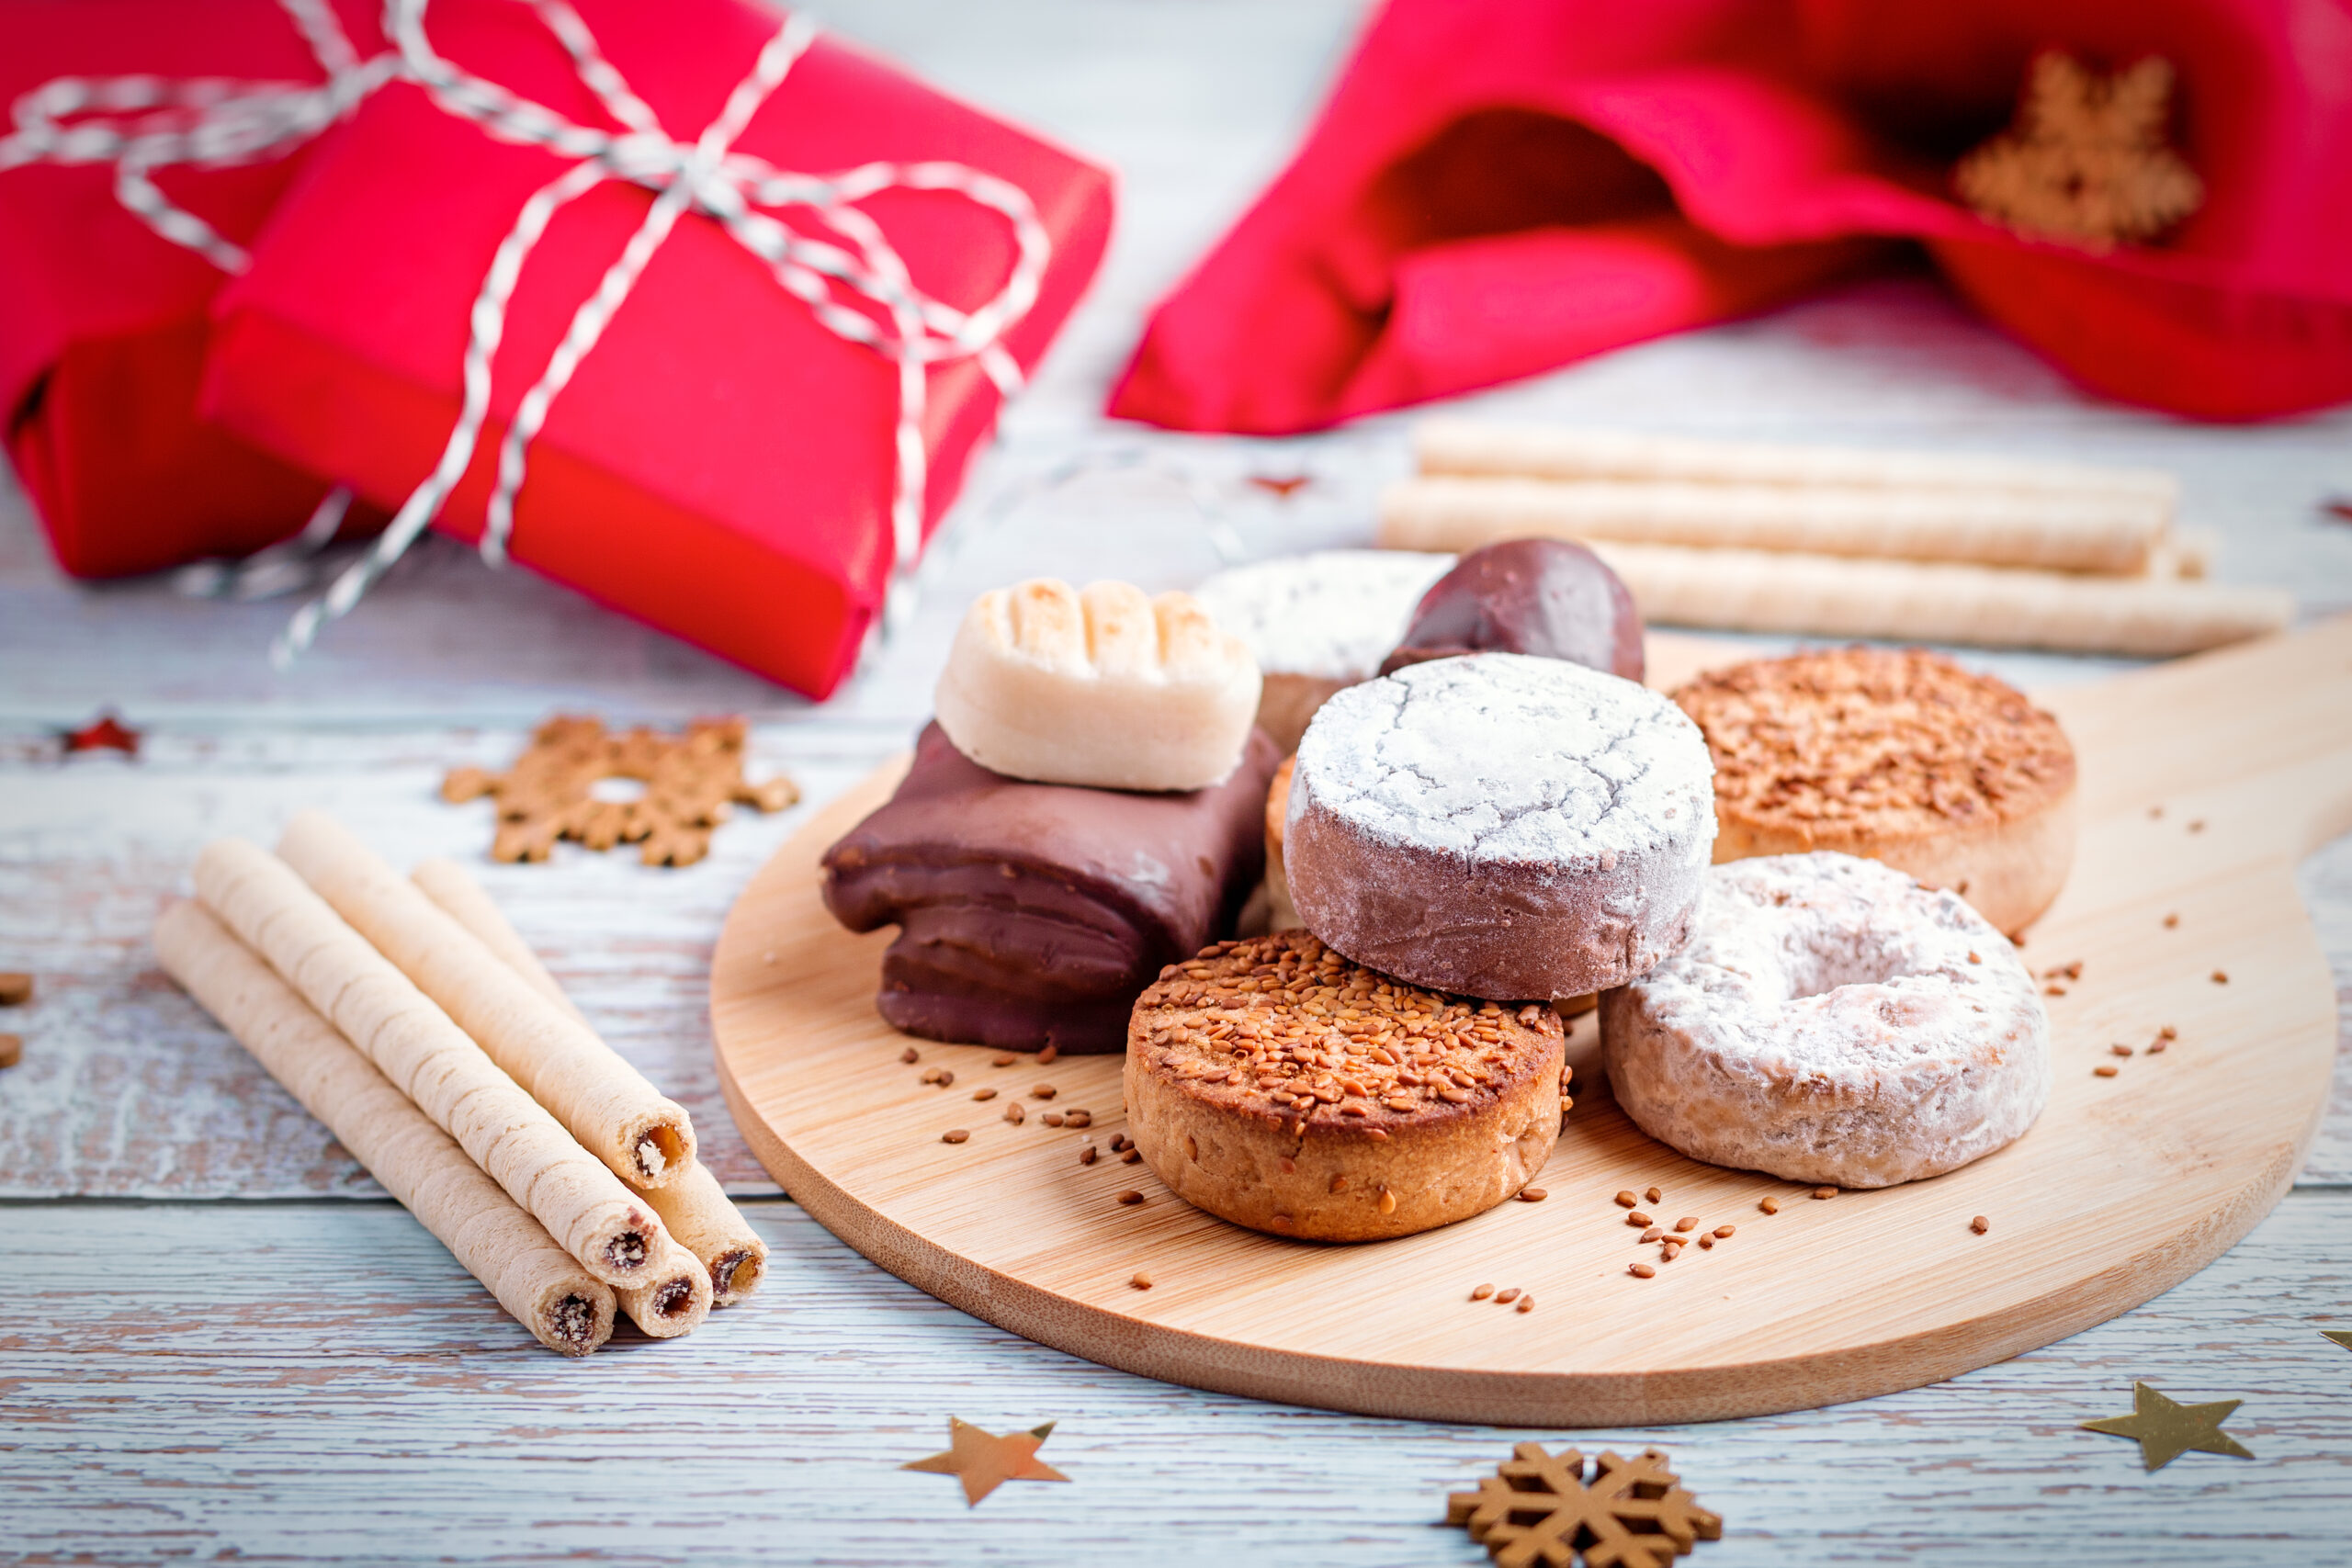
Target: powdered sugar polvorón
[
  {"x": 1505, "y": 758},
  {"x": 1333, "y": 613}
]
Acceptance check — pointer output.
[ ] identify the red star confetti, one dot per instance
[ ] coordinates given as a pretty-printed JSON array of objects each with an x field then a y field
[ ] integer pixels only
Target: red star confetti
[
  {"x": 984, "y": 1461},
  {"x": 2338, "y": 507},
  {"x": 1281, "y": 484},
  {"x": 105, "y": 733}
]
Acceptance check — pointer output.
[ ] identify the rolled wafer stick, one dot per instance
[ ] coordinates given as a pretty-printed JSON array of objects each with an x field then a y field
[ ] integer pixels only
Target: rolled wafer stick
[
  {"x": 675, "y": 1300},
  {"x": 694, "y": 1209},
  {"x": 2057, "y": 532},
  {"x": 1762, "y": 591},
  {"x": 541, "y": 1284},
  {"x": 1465, "y": 446},
  {"x": 466, "y": 902},
  {"x": 615, "y": 1234},
  {"x": 624, "y": 1120}
]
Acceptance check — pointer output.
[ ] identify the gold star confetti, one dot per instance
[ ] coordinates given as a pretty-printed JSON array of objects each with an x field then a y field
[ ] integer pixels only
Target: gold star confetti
[
  {"x": 2341, "y": 1336},
  {"x": 985, "y": 1462},
  {"x": 2165, "y": 1429}
]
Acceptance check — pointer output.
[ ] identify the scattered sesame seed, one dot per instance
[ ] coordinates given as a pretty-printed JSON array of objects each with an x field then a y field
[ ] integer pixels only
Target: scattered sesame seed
[
  {"x": 1133, "y": 1157},
  {"x": 1014, "y": 1115},
  {"x": 1044, "y": 1092},
  {"x": 1049, "y": 1054},
  {"x": 2198, "y": 826},
  {"x": 1480, "y": 1292},
  {"x": 2106, "y": 1070},
  {"x": 1980, "y": 1224},
  {"x": 1387, "y": 1204},
  {"x": 1637, "y": 1219},
  {"x": 1087, "y": 1155},
  {"x": 955, "y": 1136},
  {"x": 1770, "y": 1205},
  {"x": 2171, "y": 920},
  {"x": 1142, "y": 1281},
  {"x": 2121, "y": 1050},
  {"x": 1825, "y": 1191},
  {"x": 1078, "y": 1119},
  {"x": 1687, "y": 1223},
  {"x": 1649, "y": 1235},
  {"x": 1655, "y": 1196},
  {"x": 2221, "y": 976},
  {"x": 984, "y": 1094},
  {"x": 1626, "y": 1200},
  {"x": 1526, "y": 1303},
  {"x": 1707, "y": 1241},
  {"x": 1504, "y": 1298},
  {"x": 1002, "y": 1060},
  {"x": 1531, "y": 1194},
  {"x": 1725, "y": 1233},
  {"x": 910, "y": 1054},
  {"x": 1051, "y": 1118},
  {"x": 1641, "y": 1270},
  {"x": 1130, "y": 1197}
]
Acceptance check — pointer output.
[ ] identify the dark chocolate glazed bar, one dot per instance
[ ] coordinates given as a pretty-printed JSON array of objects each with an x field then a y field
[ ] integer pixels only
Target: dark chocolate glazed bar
[{"x": 1033, "y": 914}]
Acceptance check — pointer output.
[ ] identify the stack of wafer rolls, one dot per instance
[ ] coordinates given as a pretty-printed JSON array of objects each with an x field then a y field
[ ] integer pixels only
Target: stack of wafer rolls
[
  {"x": 411, "y": 1019},
  {"x": 1843, "y": 542}
]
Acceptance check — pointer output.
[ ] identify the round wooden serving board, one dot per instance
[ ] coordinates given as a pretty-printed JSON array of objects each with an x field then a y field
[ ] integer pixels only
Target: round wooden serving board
[{"x": 2203, "y": 782}]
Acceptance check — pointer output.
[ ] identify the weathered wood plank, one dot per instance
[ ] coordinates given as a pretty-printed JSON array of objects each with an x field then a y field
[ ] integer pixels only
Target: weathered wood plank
[{"x": 320, "y": 1381}]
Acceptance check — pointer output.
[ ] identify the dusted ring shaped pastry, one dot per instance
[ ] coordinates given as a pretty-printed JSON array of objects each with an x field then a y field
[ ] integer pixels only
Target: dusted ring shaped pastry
[{"x": 1831, "y": 1020}]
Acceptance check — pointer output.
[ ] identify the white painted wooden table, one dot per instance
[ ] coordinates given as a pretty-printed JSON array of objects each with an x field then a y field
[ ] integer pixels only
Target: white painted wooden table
[{"x": 220, "y": 1340}]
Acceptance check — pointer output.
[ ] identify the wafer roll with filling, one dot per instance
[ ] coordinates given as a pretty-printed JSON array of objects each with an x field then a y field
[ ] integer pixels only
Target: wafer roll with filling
[
  {"x": 694, "y": 1208},
  {"x": 643, "y": 1137},
  {"x": 541, "y": 1284},
  {"x": 1762, "y": 591},
  {"x": 675, "y": 1300},
  {"x": 466, "y": 902},
  {"x": 1466, "y": 446},
  {"x": 2055, "y": 531},
  {"x": 615, "y": 1234}
]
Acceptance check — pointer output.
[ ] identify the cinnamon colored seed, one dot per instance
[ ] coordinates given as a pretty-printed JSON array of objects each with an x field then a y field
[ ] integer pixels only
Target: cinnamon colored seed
[
  {"x": 1480, "y": 1292},
  {"x": 1387, "y": 1204},
  {"x": 1142, "y": 1281},
  {"x": 955, "y": 1136},
  {"x": 929, "y": 1075},
  {"x": 1504, "y": 1298},
  {"x": 1087, "y": 1155},
  {"x": 910, "y": 1054},
  {"x": 1131, "y": 1197},
  {"x": 1531, "y": 1194},
  {"x": 2155, "y": 1047},
  {"x": 947, "y": 1078},
  {"x": 1641, "y": 1270},
  {"x": 1670, "y": 1252},
  {"x": 1526, "y": 1303},
  {"x": 2121, "y": 1050},
  {"x": 1014, "y": 1115},
  {"x": 984, "y": 1094},
  {"x": 1626, "y": 1200},
  {"x": 1770, "y": 1205},
  {"x": 1133, "y": 1157},
  {"x": 2167, "y": 1033},
  {"x": 1044, "y": 1092},
  {"x": 1655, "y": 1196},
  {"x": 16, "y": 989},
  {"x": 1637, "y": 1219},
  {"x": 1078, "y": 1119},
  {"x": 1687, "y": 1223},
  {"x": 12, "y": 1050},
  {"x": 1002, "y": 1060},
  {"x": 2171, "y": 920},
  {"x": 1051, "y": 1118},
  {"x": 2221, "y": 976},
  {"x": 1649, "y": 1235},
  {"x": 1118, "y": 1141},
  {"x": 1825, "y": 1191},
  {"x": 1725, "y": 1233},
  {"x": 1050, "y": 1054},
  {"x": 2198, "y": 826},
  {"x": 2107, "y": 1070},
  {"x": 1707, "y": 1241},
  {"x": 1980, "y": 1224}
]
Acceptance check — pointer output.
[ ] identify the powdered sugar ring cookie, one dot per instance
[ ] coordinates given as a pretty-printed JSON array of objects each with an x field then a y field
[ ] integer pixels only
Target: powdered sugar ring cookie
[{"x": 1831, "y": 1020}]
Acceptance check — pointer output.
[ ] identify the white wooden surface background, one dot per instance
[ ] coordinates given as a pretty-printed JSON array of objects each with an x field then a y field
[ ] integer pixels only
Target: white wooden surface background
[{"x": 220, "y": 1340}]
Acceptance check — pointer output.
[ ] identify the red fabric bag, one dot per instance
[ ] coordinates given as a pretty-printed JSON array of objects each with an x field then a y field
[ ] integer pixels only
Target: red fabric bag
[
  {"x": 103, "y": 328},
  {"x": 1498, "y": 187},
  {"x": 721, "y": 464}
]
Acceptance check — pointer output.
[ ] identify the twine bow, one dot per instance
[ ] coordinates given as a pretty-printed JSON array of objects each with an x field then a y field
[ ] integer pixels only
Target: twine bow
[{"x": 708, "y": 177}]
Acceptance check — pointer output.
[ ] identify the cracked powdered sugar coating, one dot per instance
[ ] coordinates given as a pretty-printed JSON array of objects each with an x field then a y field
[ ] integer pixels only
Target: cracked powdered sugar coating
[
  {"x": 1334, "y": 614},
  {"x": 1502, "y": 756}
]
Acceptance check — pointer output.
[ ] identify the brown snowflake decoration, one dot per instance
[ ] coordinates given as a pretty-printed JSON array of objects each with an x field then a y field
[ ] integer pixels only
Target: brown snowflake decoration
[
  {"x": 2086, "y": 160},
  {"x": 1544, "y": 1508},
  {"x": 691, "y": 785}
]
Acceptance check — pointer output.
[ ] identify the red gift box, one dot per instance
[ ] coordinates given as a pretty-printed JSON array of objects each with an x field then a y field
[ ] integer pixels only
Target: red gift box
[
  {"x": 101, "y": 340},
  {"x": 721, "y": 464}
]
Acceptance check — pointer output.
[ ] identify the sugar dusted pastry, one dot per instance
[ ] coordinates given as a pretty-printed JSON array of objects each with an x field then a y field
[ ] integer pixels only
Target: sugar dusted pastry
[
  {"x": 1831, "y": 1020},
  {"x": 1107, "y": 688},
  {"x": 1501, "y": 826},
  {"x": 1274, "y": 1084},
  {"x": 1952, "y": 777},
  {"x": 1317, "y": 622}
]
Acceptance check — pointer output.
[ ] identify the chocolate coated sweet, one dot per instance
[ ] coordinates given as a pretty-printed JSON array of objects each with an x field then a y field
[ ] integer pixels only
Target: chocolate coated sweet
[
  {"x": 1551, "y": 598},
  {"x": 1033, "y": 914}
]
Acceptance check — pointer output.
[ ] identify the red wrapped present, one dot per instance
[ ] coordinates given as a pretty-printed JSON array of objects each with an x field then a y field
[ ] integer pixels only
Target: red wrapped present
[
  {"x": 1496, "y": 187},
  {"x": 742, "y": 395},
  {"x": 108, "y": 277}
]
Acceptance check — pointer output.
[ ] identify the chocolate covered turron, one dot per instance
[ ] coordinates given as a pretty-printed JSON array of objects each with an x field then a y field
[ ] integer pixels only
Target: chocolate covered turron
[
  {"x": 1033, "y": 914},
  {"x": 644, "y": 1137},
  {"x": 1551, "y": 598},
  {"x": 526, "y": 1150},
  {"x": 541, "y": 1284}
]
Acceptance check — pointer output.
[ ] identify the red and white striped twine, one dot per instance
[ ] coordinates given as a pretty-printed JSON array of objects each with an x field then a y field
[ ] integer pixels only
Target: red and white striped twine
[{"x": 708, "y": 177}]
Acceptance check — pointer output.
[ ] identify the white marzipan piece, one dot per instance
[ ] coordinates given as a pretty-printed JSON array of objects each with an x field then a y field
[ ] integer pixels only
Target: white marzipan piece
[
  {"x": 1334, "y": 614},
  {"x": 1105, "y": 688}
]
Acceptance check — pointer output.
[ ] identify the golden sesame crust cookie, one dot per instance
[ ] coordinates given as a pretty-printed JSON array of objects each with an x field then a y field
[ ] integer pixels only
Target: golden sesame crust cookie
[
  {"x": 1275, "y": 1084},
  {"x": 1896, "y": 755}
]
